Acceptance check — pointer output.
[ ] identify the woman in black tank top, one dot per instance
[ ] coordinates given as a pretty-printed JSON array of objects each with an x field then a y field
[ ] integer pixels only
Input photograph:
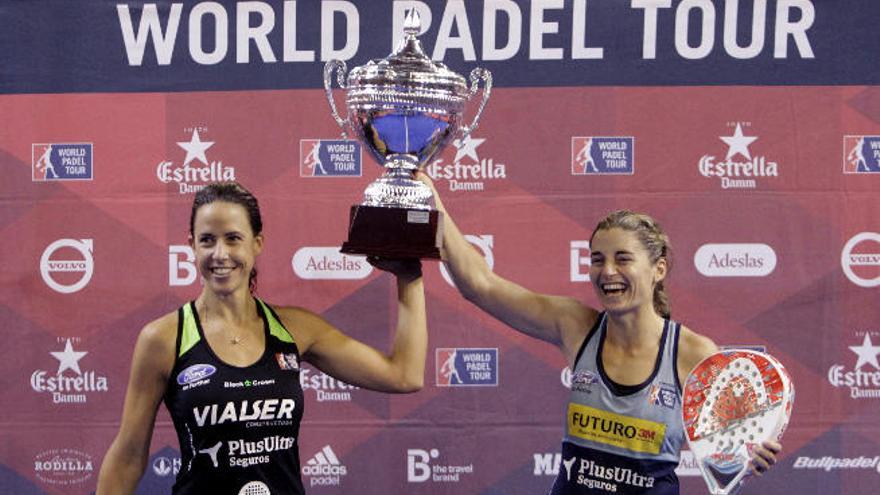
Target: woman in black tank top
[{"x": 244, "y": 440}]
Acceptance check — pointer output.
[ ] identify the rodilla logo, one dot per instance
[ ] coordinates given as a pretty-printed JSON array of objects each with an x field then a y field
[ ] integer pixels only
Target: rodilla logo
[
  {"x": 735, "y": 260},
  {"x": 83, "y": 265},
  {"x": 63, "y": 467},
  {"x": 860, "y": 259},
  {"x": 579, "y": 261},
  {"x": 324, "y": 468},
  {"x": 482, "y": 242},
  {"x": 181, "y": 265},
  {"x": 327, "y": 263}
]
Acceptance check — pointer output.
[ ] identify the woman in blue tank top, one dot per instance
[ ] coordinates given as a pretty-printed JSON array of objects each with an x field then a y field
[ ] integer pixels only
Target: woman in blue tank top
[
  {"x": 628, "y": 361},
  {"x": 227, "y": 365}
]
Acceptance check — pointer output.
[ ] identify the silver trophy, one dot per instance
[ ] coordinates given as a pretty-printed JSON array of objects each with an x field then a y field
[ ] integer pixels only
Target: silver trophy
[{"x": 405, "y": 108}]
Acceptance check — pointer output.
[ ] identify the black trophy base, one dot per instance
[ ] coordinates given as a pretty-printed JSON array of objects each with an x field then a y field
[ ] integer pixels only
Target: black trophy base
[{"x": 389, "y": 232}]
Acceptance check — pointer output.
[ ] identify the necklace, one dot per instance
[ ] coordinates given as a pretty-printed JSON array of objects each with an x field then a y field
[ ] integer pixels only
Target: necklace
[{"x": 235, "y": 339}]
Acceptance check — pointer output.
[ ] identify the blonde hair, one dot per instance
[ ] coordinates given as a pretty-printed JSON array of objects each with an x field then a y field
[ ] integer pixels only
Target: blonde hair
[{"x": 652, "y": 238}]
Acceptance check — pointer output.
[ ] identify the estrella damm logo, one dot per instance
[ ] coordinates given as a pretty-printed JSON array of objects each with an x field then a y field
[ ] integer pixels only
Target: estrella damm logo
[{"x": 637, "y": 435}]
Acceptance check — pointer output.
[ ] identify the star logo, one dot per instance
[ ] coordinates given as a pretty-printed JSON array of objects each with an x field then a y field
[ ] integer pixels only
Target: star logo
[
  {"x": 195, "y": 148},
  {"x": 467, "y": 147},
  {"x": 738, "y": 144},
  {"x": 68, "y": 359},
  {"x": 867, "y": 353}
]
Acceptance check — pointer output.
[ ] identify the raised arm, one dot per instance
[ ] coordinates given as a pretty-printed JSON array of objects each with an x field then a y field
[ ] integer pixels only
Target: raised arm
[
  {"x": 562, "y": 321},
  {"x": 401, "y": 370},
  {"x": 127, "y": 456}
]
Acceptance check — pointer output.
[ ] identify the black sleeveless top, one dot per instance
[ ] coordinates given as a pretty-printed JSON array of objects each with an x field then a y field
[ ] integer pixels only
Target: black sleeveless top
[{"x": 238, "y": 427}]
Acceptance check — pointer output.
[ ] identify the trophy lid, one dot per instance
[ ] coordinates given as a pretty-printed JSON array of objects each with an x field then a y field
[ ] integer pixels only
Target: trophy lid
[{"x": 409, "y": 68}]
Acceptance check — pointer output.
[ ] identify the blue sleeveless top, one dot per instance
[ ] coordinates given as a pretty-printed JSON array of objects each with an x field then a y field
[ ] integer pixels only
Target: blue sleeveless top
[{"x": 622, "y": 439}]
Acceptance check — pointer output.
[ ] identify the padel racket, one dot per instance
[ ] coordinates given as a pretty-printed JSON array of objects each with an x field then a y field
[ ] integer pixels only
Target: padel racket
[{"x": 733, "y": 401}]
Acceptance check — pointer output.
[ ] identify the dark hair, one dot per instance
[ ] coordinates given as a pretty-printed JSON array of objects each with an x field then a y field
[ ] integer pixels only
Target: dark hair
[
  {"x": 653, "y": 239},
  {"x": 235, "y": 193}
]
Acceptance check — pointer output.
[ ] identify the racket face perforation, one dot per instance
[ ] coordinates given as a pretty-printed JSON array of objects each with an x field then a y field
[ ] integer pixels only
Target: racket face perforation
[
  {"x": 732, "y": 402},
  {"x": 255, "y": 488}
]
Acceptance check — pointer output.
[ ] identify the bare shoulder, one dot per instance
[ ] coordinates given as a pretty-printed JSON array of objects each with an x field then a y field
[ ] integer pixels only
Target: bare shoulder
[
  {"x": 575, "y": 321},
  {"x": 156, "y": 342},
  {"x": 693, "y": 348},
  {"x": 302, "y": 324}
]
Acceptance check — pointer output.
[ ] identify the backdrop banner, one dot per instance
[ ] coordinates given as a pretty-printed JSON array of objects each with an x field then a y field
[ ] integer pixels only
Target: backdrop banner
[{"x": 749, "y": 128}]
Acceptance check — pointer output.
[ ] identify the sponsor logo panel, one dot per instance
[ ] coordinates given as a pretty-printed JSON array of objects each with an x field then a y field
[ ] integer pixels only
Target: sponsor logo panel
[
  {"x": 467, "y": 172},
  {"x": 324, "y": 469},
  {"x": 861, "y": 154},
  {"x": 70, "y": 271},
  {"x": 602, "y": 155},
  {"x": 626, "y": 432},
  {"x": 329, "y": 158},
  {"x": 63, "y": 466},
  {"x": 61, "y": 162},
  {"x": 860, "y": 259},
  {"x": 863, "y": 379},
  {"x": 326, "y": 388},
  {"x": 327, "y": 263},
  {"x": 69, "y": 384},
  {"x": 579, "y": 261},
  {"x": 425, "y": 466},
  {"x": 466, "y": 367},
  {"x": 164, "y": 466},
  {"x": 829, "y": 463},
  {"x": 687, "y": 466},
  {"x": 739, "y": 169},
  {"x": 546, "y": 463},
  {"x": 735, "y": 260},
  {"x": 196, "y": 171},
  {"x": 181, "y": 265}
]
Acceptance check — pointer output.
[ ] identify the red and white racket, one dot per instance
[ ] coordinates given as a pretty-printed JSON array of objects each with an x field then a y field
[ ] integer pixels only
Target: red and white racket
[{"x": 733, "y": 401}]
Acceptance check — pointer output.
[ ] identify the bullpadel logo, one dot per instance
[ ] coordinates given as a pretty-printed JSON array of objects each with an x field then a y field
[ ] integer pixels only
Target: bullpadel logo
[{"x": 735, "y": 260}]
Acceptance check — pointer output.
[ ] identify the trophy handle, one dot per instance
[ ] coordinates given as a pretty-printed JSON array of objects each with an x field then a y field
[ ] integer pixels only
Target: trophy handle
[
  {"x": 341, "y": 68},
  {"x": 476, "y": 75}
]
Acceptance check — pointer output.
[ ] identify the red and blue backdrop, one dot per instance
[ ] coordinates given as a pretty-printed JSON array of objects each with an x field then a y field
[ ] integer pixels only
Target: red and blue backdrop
[{"x": 750, "y": 129}]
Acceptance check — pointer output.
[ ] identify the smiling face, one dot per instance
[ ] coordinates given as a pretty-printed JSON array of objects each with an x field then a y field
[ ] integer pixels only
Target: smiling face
[
  {"x": 225, "y": 246},
  {"x": 622, "y": 271}
]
